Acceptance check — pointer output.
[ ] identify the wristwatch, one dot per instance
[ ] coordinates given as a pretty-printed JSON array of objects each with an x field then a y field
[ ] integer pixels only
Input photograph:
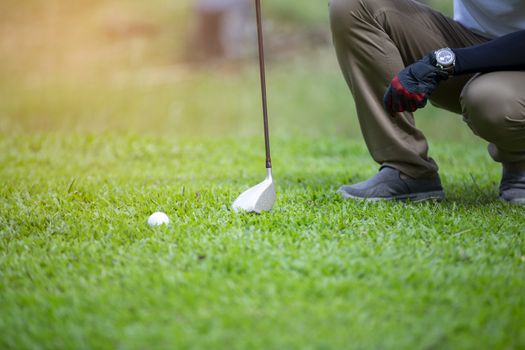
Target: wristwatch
[{"x": 445, "y": 60}]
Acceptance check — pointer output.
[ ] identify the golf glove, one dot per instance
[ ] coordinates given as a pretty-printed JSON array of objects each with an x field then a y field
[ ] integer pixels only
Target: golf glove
[{"x": 410, "y": 88}]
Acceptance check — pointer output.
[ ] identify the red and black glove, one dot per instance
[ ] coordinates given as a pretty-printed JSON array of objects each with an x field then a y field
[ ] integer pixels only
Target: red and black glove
[{"x": 410, "y": 88}]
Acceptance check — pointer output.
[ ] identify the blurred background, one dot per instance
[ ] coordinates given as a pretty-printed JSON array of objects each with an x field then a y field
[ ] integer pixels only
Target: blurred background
[{"x": 184, "y": 68}]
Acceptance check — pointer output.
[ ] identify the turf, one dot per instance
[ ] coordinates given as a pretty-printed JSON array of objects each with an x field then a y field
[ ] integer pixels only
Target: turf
[
  {"x": 81, "y": 269},
  {"x": 90, "y": 145}
]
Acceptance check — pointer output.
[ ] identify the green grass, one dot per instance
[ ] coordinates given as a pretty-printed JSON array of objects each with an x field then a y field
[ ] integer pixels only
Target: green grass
[
  {"x": 91, "y": 145},
  {"x": 81, "y": 269}
]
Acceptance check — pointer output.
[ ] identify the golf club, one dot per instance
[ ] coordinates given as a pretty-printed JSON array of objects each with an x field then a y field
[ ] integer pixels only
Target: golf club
[{"x": 261, "y": 196}]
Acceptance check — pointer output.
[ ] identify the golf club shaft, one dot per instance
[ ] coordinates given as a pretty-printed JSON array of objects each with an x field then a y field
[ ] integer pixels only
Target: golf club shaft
[{"x": 263, "y": 83}]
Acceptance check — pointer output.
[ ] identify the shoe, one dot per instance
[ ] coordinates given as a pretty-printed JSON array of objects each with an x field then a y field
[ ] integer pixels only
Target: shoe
[
  {"x": 512, "y": 186},
  {"x": 391, "y": 184}
]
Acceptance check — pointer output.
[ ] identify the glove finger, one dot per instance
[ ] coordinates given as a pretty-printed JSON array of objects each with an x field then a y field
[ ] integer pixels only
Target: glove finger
[
  {"x": 421, "y": 103},
  {"x": 407, "y": 103},
  {"x": 398, "y": 105},
  {"x": 387, "y": 99},
  {"x": 395, "y": 101},
  {"x": 411, "y": 106},
  {"x": 417, "y": 98},
  {"x": 405, "y": 93}
]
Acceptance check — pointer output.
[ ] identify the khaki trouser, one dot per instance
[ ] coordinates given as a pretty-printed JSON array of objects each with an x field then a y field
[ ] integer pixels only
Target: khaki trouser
[{"x": 375, "y": 39}]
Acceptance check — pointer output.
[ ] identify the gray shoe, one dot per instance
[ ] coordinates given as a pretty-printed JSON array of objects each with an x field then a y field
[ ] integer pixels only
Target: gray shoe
[
  {"x": 512, "y": 186},
  {"x": 390, "y": 184}
]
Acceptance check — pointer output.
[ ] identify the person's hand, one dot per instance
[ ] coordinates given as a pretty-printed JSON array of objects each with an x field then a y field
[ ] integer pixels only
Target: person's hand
[{"x": 410, "y": 88}]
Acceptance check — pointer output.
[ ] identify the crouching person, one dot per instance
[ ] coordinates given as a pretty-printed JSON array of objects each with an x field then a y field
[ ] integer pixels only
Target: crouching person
[{"x": 395, "y": 55}]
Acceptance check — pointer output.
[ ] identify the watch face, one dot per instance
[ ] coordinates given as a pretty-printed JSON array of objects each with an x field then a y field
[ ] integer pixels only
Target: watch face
[{"x": 445, "y": 57}]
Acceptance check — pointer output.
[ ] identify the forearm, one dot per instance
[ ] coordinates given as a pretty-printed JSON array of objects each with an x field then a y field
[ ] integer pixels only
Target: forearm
[{"x": 506, "y": 53}]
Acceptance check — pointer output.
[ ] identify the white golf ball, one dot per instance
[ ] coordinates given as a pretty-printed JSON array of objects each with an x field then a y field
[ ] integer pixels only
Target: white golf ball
[{"x": 158, "y": 218}]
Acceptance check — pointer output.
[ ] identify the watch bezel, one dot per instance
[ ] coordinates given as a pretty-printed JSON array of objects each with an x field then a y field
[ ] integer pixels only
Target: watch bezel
[{"x": 448, "y": 63}]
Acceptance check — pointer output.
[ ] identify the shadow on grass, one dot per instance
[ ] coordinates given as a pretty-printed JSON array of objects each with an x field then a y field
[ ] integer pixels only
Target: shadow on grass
[
  {"x": 470, "y": 195},
  {"x": 456, "y": 194}
]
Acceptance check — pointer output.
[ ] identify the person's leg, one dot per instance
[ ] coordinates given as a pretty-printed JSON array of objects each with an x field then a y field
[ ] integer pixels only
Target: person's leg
[
  {"x": 493, "y": 106},
  {"x": 374, "y": 40}
]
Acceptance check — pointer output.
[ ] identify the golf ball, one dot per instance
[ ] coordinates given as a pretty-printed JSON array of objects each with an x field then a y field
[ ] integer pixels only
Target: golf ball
[{"x": 158, "y": 218}]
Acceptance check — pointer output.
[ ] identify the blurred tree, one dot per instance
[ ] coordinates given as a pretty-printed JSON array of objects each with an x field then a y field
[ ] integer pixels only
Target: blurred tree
[{"x": 221, "y": 29}]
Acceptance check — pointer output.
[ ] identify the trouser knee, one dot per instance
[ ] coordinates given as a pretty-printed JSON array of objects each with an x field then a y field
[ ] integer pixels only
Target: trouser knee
[
  {"x": 344, "y": 12},
  {"x": 492, "y": 109},
  {"x": 340, "y": 14}
]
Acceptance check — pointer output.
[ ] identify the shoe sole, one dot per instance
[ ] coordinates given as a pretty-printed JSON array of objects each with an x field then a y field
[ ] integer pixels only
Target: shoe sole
[
  {"x": 413, "y": 197},
  {"x": 519, "y": 201}
]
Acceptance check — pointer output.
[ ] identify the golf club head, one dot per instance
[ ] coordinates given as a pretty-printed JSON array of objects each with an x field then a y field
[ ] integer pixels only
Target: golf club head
[{"x": 258, "y": 198}]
